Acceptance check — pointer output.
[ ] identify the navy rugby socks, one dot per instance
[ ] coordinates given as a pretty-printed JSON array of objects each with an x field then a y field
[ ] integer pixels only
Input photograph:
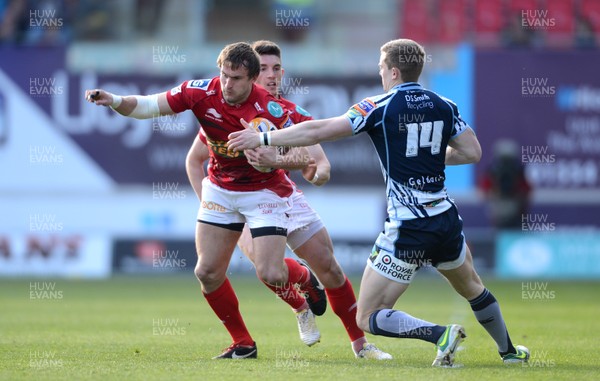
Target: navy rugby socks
[
  {"x": 487, "y": 311},
  {"x": 393, "y": 323}
]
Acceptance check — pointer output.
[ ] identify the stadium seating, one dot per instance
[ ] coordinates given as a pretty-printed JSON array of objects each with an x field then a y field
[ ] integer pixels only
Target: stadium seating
[
  {"x": 590, "y": 9},
  {"x": 415, "y": 21},
  {"x": 487, "y": 22},
  {"x": 562, "y": 12},
  {"x": 453, "y": 21}
]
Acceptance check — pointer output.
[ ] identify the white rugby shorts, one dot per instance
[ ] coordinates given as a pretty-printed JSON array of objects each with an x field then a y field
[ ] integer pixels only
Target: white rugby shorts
[
  {"x": 258, "y": 209},
  {"x": 304, "y": 221}
]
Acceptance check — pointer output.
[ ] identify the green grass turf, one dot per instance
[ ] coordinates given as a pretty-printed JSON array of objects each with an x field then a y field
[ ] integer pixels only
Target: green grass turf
[{"x": 161, "y": 328}]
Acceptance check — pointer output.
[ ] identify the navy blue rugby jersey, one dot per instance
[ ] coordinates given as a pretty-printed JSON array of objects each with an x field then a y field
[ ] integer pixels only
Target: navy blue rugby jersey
[{"x": 410, "y": 128}]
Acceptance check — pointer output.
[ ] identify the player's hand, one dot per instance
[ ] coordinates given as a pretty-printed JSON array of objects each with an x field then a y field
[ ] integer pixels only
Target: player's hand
[
  {"x": 262, "y": 156},
  {"x": 310, "y": 170},
  {"x": 99, "y": 97},
  {"x": 310, "y": 174},
  {"x": 248, "y": 138}
]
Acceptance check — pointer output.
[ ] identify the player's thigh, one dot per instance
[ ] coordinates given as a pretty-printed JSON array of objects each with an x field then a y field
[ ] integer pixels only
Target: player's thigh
[
  {"x": 464, "y": 278},
  {"x": 267, "y": 216},
  {"x": 245, "y": 243},
  {"x": 218, "y": 229},
  {"x": 317, "y": 251},
  {"x": 269, "y": 251},
  {"x": 214, "y": 246},
  {"x": 308, "y": 239},
  {"x": 377, "y": 292}
]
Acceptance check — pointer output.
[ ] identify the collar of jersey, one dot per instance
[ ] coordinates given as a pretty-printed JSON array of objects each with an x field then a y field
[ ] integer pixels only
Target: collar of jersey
[{"x": 408, "y": 86}]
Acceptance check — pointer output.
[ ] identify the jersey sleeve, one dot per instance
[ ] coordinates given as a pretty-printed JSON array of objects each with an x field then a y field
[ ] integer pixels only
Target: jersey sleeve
[
  {"x": 458, "y": 124},
  {"x": 361, "y": 115},
  {"x": 278, "y": 114},
  {"x": 183, "y": 97},
  {"x": 300, "y": 115}
]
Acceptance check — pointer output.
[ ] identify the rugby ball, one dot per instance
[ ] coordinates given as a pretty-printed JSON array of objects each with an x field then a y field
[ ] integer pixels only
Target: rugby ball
[{"x": 263, "y": 125}]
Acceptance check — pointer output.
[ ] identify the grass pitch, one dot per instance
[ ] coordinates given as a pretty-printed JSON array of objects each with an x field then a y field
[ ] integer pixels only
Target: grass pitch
[{"x": 161, "y": 328}]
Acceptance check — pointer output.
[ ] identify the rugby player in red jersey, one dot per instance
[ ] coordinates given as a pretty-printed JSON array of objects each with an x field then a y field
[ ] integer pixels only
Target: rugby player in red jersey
[
  {"x": 307, "y": 236},
  {"x": 234, "y": 193}
]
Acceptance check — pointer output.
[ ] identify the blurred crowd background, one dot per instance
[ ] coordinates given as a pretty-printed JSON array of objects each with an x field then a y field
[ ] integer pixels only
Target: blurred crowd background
[{"x": 485, "y": 23}]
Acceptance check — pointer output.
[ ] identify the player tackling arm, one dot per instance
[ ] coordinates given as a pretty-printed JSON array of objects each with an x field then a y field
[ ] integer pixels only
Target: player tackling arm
[
  {"x": 462, "y": 149},
  {"x": 306, "y": 133}
]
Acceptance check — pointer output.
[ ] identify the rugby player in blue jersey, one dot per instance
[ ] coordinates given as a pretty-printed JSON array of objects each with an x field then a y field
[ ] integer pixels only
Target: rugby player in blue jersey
[{"x": 416, "y": 133}]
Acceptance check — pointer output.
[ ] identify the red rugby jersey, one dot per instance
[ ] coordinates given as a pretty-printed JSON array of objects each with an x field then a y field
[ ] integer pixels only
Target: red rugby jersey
[
  {"x": 230, "y": 170},
  {"x": 296, "y": 113}
]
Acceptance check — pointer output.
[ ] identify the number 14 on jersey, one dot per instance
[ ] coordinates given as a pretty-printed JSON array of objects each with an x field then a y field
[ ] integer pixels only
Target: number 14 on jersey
[{"x": 430, "y": 136}]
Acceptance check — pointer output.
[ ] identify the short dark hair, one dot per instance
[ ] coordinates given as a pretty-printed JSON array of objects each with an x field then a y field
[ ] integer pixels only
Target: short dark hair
[
  {"x": 266, "y": 47},
  {"x": 405, "y": 55},
  {"x": 240, "y": 54}
]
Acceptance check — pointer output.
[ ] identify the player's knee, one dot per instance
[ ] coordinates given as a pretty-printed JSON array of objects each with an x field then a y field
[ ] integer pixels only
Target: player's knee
[
  {"x": 271, "y": 275},
  {"x": 333, "y": 276},
  {"x": 328, "y": 270},
  {"x": 336, "y": 273},
  {"x": 472, "y": 287},
  {"x": 362, "y": 320},
  {"x": 205, "y": 275},
  {"x": 200, "y": 273}
]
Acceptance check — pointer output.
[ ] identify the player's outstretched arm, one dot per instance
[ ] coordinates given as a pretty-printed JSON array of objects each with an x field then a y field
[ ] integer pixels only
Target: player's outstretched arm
[
  {"x": 306, "y": 133},
  {"x": 194, "y": 165},
  {"x": 134, "y": 106},
  {"x": 463, "y": 149}
]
